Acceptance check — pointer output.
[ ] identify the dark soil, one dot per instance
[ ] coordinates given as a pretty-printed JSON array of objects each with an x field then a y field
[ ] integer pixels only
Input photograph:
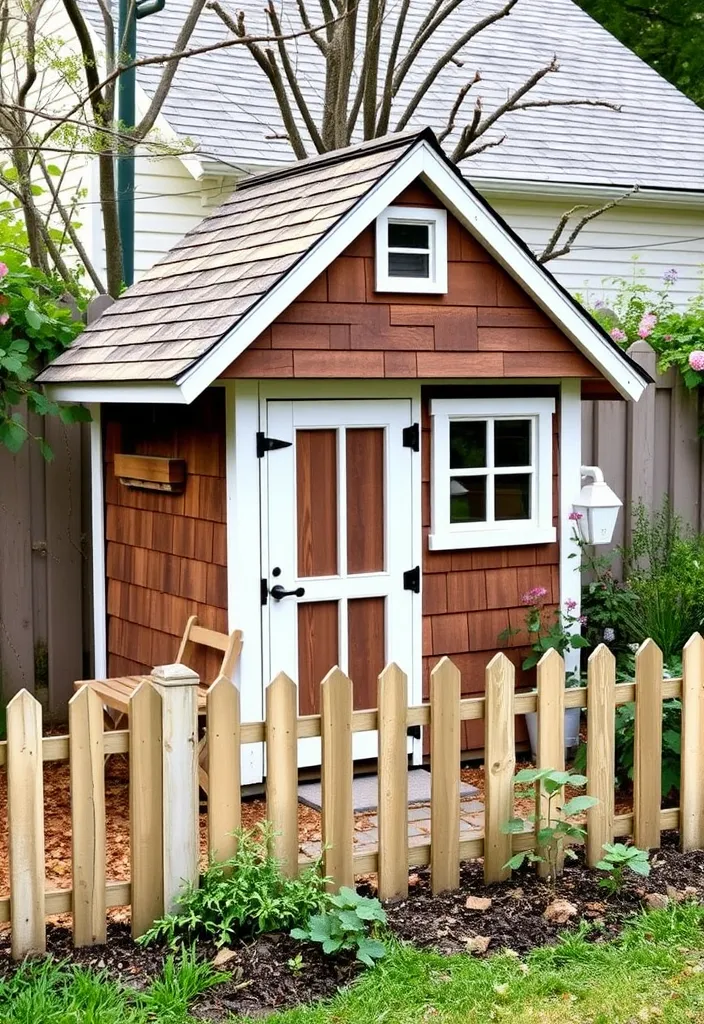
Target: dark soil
[{"x": 262, "y": 977}]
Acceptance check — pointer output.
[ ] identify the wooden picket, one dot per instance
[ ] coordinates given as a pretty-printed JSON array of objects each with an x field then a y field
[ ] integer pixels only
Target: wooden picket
[
  {"x": 162, "y": 741},
  {"x": 551, "y": 739},
  {"x": 601, "y": 751},
  {"x": 393, "y": 783}
]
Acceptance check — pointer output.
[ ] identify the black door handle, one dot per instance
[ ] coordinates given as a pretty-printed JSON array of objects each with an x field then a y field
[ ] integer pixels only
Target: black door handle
[{"x": 278, "y": 592}]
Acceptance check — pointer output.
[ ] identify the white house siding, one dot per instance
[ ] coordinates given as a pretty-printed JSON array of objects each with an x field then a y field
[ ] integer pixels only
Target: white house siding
[{"x": 660, "y": 237}]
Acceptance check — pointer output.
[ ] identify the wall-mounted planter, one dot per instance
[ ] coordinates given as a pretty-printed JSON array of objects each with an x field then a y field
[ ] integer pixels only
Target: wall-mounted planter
[{"x": 151, "y": 473}]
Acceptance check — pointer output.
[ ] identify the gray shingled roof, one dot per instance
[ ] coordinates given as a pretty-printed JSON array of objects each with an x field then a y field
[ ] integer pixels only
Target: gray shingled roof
[
  {"x": 163, "y": 324},
  {"x": 222, "y": 101}
]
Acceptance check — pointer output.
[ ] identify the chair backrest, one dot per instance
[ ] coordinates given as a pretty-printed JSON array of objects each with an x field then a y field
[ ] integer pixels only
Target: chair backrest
[{"x": 231, "y": 646}]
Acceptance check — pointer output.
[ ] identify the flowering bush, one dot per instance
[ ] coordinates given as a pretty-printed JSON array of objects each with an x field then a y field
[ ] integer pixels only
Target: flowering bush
[
  {"x": 547, "y": 629},
  {"x": 639, "y": 312},
  {"x": 34, "y": 328}
]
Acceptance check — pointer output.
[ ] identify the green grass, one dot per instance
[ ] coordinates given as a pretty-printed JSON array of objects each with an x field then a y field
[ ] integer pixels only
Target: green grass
[{"x": 655, "y": 972}]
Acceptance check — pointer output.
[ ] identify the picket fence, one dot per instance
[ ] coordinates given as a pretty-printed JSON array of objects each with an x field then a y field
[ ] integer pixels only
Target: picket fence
[{"x": 163, "y": 745}]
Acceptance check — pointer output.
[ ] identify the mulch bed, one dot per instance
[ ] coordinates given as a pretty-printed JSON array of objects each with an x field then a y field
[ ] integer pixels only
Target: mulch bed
[{"x": 262, "y": 977}]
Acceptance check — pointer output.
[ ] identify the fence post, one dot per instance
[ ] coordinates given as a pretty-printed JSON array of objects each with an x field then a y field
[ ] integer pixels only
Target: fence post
[
  {"x": 177, "y": 686},
  {"x": 392, "y": 702},
  {"x": 87, "y": 766},
  {"x": 647, "y": 763},
  {"x": 551, "y": 740},
  {"x": 25, "y": 825},
  {"x": 499, "y": 766},
  {"x": 601, "y": 751},
  {"x": 282, "y": 770},
  {"x": 338, "y": 814},
  {"x": 222, "y": 737},
  {"x": 146, "y": 809},
  {"x": 692, "y": 763},
  {"x": 445, "y": 692}
]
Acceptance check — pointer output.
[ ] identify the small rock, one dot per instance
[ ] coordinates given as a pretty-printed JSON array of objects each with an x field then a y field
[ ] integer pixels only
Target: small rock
[
  {"x": 477, "y": 902},
  {"x": 223, "y": 956},
  {"x": 674, "y": 894},
  {"x": 559, "y": 911},
  {"x": 690, "y": 890},
  {"x": 414, "y": 879},
  {"x": 656, "y": 900},
  {"x": 478, "y": 944},
  {"x": 595, "y": 907}
]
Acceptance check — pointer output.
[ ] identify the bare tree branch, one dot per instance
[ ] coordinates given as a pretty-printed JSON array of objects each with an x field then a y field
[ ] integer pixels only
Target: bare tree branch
[
  {"x": 70, "y": 229},
  {"x": 554, "y": 248},
  {"x": 301, "y": 104},
  {"x": 452, "y": 118}
]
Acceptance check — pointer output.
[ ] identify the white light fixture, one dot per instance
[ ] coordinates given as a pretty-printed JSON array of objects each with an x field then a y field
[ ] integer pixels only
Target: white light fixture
[{"x": 597, "y": 506}]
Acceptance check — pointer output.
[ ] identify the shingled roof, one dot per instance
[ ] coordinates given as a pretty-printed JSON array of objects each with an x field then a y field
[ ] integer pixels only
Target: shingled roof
[{"x": 229, "y": 277}]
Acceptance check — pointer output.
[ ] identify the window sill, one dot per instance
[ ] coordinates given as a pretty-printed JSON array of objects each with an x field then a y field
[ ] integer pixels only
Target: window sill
[
  {"x": 513, "y": 537},
  {"x": 413, "y": 285}
]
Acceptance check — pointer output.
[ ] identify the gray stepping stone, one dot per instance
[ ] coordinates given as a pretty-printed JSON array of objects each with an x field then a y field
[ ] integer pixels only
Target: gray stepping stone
[{"x": 365, "y": 791}]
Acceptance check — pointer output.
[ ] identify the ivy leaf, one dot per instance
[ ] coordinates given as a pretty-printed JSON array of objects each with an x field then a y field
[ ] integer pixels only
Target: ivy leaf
[
  {"x": 33, "y": 317},
  {"x": 74, "y": 414},
  {"x": 12, "y": 434},
  {"x": 45, "y": 449}
]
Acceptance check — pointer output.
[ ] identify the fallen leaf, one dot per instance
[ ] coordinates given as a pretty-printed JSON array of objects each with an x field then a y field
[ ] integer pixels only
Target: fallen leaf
[
  {"x": 597, "y": 907},
  {"x": 516, "y": 894},
  {"x": 478, "y": 944},
  {"x": 477, "y": 902},
  {"x": 559, "y": 911},
  {"x": 656, "y": 900},
  {"x": 223, "y": 956}
]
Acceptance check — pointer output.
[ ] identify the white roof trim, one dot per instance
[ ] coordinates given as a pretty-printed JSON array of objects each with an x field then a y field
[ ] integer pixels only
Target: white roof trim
[{"x": 421, "y": 160}]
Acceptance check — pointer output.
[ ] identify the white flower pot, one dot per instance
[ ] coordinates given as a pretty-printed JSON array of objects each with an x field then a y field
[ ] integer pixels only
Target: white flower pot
[{"x": 572, "y": 718}]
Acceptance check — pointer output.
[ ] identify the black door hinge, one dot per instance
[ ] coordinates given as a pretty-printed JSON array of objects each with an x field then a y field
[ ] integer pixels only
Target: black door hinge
[
  {"x": 413, "y": 731},
  {"x": 264, "y": 591},
  {"x": 411, "y": 437},
  {"x": 411, "y": 580},
  {"x": 269, "y": 444}
]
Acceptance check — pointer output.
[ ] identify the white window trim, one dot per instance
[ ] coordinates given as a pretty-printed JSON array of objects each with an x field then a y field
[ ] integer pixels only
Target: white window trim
[
  {"x": 445, "y": 536},
  {"x": 436, "y": 219}
]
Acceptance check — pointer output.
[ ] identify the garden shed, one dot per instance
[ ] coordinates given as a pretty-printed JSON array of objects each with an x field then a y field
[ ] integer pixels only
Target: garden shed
[{"x": 343, "y": 416}]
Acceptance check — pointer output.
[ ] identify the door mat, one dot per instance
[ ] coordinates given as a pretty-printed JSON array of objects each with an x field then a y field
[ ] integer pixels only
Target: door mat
[{"x": 365, "y": 791}]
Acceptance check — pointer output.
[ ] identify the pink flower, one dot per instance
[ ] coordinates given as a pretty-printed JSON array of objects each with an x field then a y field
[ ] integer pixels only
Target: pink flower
[
  {"x": 4, "y": 317},
  {"x": 618, "y": 335},
  {"x": 646, "y": 325},
  {"x": 696, "y": 359},
  {"x": 531, "y": 596},
  {"x": 583, "y": 620},
  {"x": 570, "y": 604},
  {"x": 575, "y": 516},
  {"x": 4, "y": 269}
]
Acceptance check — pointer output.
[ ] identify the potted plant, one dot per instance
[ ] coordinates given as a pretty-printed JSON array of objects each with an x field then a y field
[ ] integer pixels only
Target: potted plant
[{"x": 550, "y": 629}]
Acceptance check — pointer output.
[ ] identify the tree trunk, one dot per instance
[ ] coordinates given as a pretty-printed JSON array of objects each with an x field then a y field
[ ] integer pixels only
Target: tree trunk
[{"x": 111, "y": 224}]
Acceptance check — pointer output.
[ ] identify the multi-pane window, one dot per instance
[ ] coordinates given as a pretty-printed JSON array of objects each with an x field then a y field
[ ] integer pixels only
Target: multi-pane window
[
  {"x": 411, "y": 250},
  {"x": 491, "y": 472}
]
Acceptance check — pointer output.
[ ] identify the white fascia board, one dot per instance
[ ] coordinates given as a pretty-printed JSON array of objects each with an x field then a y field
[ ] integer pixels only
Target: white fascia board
[
  {"x": 312, "y": 263},
  {"x": 512, "y": 188},
  {"x": 530, "y": 276},
  {"x": 131, "y": 392}
]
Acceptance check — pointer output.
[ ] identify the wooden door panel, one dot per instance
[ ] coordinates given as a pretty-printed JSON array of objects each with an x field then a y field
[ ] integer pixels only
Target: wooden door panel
[
  {"x": 367, "y": 648},
  {"x": 318, "y": 651},
  {"x": 316, "y": 499},
  {"x": 365, "y": 499}
]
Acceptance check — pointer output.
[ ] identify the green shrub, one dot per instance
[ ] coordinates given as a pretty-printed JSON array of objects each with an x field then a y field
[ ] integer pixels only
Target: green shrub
[
  {"x": 241, "y": 897},
  {"x": 617, "y": 859},
  {"x": 348, "y": 921}
]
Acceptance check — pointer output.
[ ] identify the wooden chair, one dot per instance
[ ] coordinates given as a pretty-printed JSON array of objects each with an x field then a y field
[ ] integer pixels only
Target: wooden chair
[{"x": 116, "y": 693}]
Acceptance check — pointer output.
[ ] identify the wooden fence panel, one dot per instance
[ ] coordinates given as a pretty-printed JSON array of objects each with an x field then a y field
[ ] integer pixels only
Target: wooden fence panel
[
  {"x": 146, "y": 809},
  {"x": 87, "y": 817},
  {"x": 445, "y": 693},
  {"x": 282, "y": 770},
  {"x": 25, "y": 825},
  {"x": 337, "y": 815},
  {"x": 499, "y": 765},
  {"x": 692, "y": 763},
  {"x": 647, "y": 764},
  {"x": 601, "y": 751},
  {"x": 551, "y": 735},
  {"x": 393, "y": 783},
  {"x": 16, "y": 612},
  {"x": 222, "y": 739}
]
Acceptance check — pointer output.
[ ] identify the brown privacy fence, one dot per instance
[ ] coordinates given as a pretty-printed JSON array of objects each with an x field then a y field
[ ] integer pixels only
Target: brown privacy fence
[{"x": 162, "y": 742}]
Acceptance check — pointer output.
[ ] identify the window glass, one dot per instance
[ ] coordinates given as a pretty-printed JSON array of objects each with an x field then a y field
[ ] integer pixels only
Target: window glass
[
  {"x": 409, "y": 264},
  {"x": 512, "y": 496},
  {"x": 467, "y": 444},
  {"x": 468, "y": 499},
  {"x": 409, "y": 236},
  {"x": 512, "y": 443}
]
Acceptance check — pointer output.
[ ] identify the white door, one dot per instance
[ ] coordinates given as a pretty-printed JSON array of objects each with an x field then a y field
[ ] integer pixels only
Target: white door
[{"x": 337, "y": 538}]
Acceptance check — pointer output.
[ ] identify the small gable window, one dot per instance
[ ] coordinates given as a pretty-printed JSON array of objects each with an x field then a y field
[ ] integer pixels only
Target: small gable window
[
  {"x": 491, "y": 482},
  {"x": 411, "y": 250}
]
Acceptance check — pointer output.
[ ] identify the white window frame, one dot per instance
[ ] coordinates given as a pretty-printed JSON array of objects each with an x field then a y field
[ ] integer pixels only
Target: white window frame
[
  {"x": 539, "y": 529},
  {"x": 436, "y": 219}
]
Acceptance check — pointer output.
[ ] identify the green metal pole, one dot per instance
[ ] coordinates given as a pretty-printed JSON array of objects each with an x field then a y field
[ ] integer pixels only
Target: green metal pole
[{"x": 127, "y": 41}]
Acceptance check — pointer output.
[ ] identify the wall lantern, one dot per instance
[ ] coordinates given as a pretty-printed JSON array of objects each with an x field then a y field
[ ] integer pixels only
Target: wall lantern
[{"x": 597, "y": 506}]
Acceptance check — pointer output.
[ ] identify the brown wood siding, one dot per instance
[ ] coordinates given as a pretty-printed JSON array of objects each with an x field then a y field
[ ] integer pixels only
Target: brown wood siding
[
  {"x": 484, "y": 326},
  {"x": 165, "y": 553},
  {"x": 469, "y": 597}
]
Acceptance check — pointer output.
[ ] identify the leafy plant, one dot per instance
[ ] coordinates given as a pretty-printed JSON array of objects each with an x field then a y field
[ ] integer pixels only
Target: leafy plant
[
  {"x": 619, "y": 858},
  {"x": 243, "y": 896},
  {"x": 547, "y": 629},
  {"x": 349, "y": 921},
  {"x": 296, "y": 963},
  {"x": 548, "y": 784}
]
